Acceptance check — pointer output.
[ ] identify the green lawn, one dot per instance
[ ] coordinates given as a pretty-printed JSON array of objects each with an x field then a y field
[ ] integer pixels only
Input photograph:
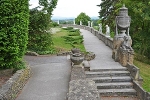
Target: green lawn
[
  {"x": 60, "y": 44},
  {"x": 145, "y": 74}
]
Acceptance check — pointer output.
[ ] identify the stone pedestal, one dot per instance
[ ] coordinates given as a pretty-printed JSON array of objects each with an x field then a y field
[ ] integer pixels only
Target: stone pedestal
[
  {"x": 118, "y": 39},
  {"x": 122, "y": 50},
  {"x": 131, "y": 57}
]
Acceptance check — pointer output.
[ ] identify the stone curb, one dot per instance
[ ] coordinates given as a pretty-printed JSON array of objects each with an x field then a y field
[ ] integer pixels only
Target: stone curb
[{"x": 11, "y": 89}]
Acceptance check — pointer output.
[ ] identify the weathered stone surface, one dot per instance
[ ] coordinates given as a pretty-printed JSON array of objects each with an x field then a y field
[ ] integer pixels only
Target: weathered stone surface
[
  {"x": 86, "y": 65},
  {"x": 77, "y": 73},
  {"x": 6, "y": 72},
  {"x": 89, "y": 56},
  {"x": 134, "y": 71},
  {"x": 31, "y": 53},
  {"x": 14, "y": 85},
  {"x": 142, "y": 94},
  {"x": 83, "y": 90},
  {"x": 64, "y": 53}
]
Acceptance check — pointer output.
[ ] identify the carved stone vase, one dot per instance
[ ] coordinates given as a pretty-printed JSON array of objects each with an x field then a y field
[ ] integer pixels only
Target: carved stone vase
[
  {"x": 75, "y": 50},
  {"x": 77, "y": 58}
]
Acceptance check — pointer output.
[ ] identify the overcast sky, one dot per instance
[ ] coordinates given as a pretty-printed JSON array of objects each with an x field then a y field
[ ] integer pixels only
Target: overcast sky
[{"x": 72, "y": 8}]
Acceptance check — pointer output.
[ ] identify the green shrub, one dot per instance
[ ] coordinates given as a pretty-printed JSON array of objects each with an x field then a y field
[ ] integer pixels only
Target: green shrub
[
  {"x": 142, "y": 58},
  {"x": 68, "y": 28},
  {"x": 14, "y": 16},
  {"x": 74, "y": 34},
  {"x": 41, "y": 43},
  {"x": 40, "y": 40},
  {"x": 74, "y": 30},
  {"x": 54, "y": 24}
]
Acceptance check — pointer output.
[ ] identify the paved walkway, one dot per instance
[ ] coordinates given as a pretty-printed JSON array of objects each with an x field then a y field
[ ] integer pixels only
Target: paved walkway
[
  {"x": 103, "y": 59},
  {"x": 50, "y": 78},
  {"x": 51, "y": 74}
]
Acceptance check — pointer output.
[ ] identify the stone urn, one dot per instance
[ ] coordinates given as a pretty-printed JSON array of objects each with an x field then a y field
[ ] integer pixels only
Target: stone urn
[
  {"x": 76, "y": 58},
  {"x": 75, "y": 50}
]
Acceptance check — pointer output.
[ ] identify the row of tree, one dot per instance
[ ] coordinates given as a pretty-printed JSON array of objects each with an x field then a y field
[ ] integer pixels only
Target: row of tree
[
  {"x": 140, "y": 21},
  {"x": 84, "y": 18}
]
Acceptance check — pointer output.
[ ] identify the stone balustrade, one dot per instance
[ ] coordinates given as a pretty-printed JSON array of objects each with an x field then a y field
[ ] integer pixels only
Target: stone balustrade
[{"x": 143, "y": 95}]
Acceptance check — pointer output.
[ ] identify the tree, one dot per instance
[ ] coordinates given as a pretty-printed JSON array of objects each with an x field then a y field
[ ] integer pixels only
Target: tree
[
  {"x": 82, "y": 17},
  {"x": 48, "y": 5},
  {"x": 40, "y": 39},
  {"x": 140, "y": 25},
  {"x": 14, "y": 17},
  {"x": 140, "y": 15},
  {"x": 109, "y": 10}
]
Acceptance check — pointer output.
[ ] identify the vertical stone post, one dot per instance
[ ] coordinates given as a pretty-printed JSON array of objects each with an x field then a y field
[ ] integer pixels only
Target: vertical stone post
[
  {"x": 107, "y": 31},
  {"x": 91, "y": 23},
  {"x": 100, "y": 28},
  {"x": 58, "y": 22},
  {"x": 88, "y": 23},
  {"x": 80, "y": 22},
  {"x": 74, "y": 22}
]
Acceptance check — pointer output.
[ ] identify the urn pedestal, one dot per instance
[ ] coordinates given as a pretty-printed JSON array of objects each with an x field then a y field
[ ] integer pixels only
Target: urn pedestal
[
  {"x": 122, "y": 50},
  {"x": 76, "y": 58}
]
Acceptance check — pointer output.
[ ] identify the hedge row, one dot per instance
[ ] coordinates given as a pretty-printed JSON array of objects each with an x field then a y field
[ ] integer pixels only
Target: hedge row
[{"x": 14, "y": 17}]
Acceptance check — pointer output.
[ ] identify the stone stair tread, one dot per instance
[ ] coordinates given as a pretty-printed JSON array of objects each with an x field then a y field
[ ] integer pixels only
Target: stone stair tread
[
  {"x": 109, "y": 69},
  {"x": 114, "y": 83},
  {"x": 119, "y": 98},
  {"x": 113, "y": 77},
  {"x": 105, "y": 72},
  {"x": 116, "y": 90},
  {"x": 109, "y": 79}
]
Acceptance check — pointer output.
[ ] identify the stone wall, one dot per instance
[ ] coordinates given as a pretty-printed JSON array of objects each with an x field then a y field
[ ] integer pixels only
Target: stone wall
[
  {"x": 81, "y": 88},
  {"x": 14, "y": 85},
  {"x": 143, "y": 95}
]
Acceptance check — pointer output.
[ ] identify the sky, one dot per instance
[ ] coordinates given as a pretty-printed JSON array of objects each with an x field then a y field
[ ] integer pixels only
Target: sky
[{"x": 72, "y": 8}]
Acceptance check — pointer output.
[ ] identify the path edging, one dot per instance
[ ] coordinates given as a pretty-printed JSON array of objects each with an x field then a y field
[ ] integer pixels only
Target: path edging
[{"x": 11, "y": 89}]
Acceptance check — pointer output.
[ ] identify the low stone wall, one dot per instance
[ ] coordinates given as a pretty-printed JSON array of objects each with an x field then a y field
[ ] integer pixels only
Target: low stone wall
[
  {"x": 14, "y": 85},
  {"x": 142, "y": 94},
  {"x": 134, "y": 71}
]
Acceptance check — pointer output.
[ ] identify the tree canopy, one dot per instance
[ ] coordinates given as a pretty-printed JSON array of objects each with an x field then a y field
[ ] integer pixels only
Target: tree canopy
[
  {"x": 140, "y": 21},
  {"x": 40, "y": 39},
  {"x": 82, "y": 17}
]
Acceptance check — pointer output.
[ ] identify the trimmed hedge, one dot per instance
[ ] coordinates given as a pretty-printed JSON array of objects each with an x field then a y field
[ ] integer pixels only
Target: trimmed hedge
[{"x": 14, "y": 17}]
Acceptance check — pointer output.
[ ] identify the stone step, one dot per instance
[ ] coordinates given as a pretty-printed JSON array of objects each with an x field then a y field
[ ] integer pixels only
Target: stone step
[
  {"x": 109, "y": 69},
  {"x": 119, "y": 98},
  {"x": 118, "y": 85},
  {"x": 107, "y": 73},
  {"x": 117, "y": 92},
  {"x": 111, "y": 79}
]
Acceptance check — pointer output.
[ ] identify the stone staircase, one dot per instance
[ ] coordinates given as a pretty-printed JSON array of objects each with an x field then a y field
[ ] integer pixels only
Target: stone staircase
[{"x": 112, "y": 82}]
